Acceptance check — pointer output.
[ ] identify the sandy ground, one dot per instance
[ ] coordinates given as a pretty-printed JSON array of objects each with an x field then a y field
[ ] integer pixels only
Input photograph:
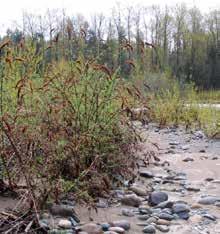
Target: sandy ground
[{"x": 197, "y": 171}]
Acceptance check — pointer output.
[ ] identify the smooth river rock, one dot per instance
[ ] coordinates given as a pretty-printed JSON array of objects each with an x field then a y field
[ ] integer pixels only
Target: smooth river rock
[
  {"x": 162, "y": 228},
  {"x": 131, "y": 200},
  {"x": 121, "y": 223},
  {"x": 209, "y": 200},
  {"x": 65, "y": 223},
  {"x": 166, "y": 216},
  {"x": 146, "y": 174},
  {"x": 117, "y": 230},
  {"x": 139, "y": 190},
  {"x": 156, "y": 198},
  {"x": 180, "y": 207},
  {"x": 92, "y": 228},
  {"x": 127, "y": 212},
  {"x": 149, "y": 229}
]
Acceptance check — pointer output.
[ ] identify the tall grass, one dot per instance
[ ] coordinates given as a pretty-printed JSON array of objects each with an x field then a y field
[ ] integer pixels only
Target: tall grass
[
  {"x": 64, "y": 127},
  {"x": 179, "y": 105},
  {"x": 210, "y": 96}
]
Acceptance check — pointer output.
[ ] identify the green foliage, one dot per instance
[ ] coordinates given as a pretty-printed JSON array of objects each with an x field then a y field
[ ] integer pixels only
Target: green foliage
[
  {"x": 210, "y": 96},
  {"x": 64, "y": 126},
  {"x": 184, "y": 106},
  {"x": 167, "y": 106},
  {"x": 181, "y": 40}
]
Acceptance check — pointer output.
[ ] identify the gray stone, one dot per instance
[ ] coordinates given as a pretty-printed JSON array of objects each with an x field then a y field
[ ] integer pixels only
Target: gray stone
[
  {"x": 199, "y": 134},
  {"x": 65, "y": 223},
  {"x": 73, "y": 221},
  {"x": 216, "y": 181},
  {"x": 165, "y": 204},
  {"x": 163, "y": 222},
  {"x": 68, "y": 202},
  {"x": 63, "y": 211},
  {"x": 143, "y": 217},
  {"x": 149, "y": 229},
  {"x": 157, "y": 180},
  {"x": 215, "y": 158},
  {"x": 180, "y": 176},
  {"x": 118, "y": 193},
  {"x": 44, "y": 224},
  {"x": 117, "y": 230},
  {"x": 209, "y": 179},
  {"x": 144, "y": 210},
  {"x": 209, "y": 200},
  {"x": 202, "y": 151},
  {"x": 192, "y": 188},
  {"x": 127, "y": 212},
  {"x": 180, "y": 207},
  {"x": 110, "y": 232},
  {"x": 188, "y": 159},
  {"x": 139, "y": 190},
  {"x": 183, "y": 215},
  {"x": 146, "y": 174},
  {"x": 157, "y": 197},
  {"x": 156, "y": 210},
  {"x": 105, "y": 226},
  {"x": 169, "y": 180},
  {"x": 166, "y": 216},
  {"x": 185, "y": 147},
  {"x": 151, "y": 220},
  {"x": 102, "y": 203},
  {"x": 131, "y": 200},
  {"x": 217, "y": 204},
  {"x": 206, "y": 222},
  {"x": 141, "y": 224},
  {"x": 174, "y": 143},
  {"x": 122, "y": 223},
  {"x": 56, "y": 231},
  {"x": 208, "y": 216},
  {"x": 92, "y": 228},
  {"x": 167, "y": 210},
  {"x": 162, "y": 228},
  {"x": 170, "y": 151},
  {"x": 175, "y": 216}
]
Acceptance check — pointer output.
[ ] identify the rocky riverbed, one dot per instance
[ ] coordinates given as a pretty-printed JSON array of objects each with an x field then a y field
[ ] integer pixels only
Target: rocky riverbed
[{"x": 177, "y": 193}]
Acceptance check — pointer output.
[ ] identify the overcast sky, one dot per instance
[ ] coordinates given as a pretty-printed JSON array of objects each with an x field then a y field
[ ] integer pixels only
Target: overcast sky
[{"x": 11, "y": 10}]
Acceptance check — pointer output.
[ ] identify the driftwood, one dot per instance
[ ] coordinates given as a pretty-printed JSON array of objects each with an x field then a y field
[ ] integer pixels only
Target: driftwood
[{"x": 13, "y": 223}]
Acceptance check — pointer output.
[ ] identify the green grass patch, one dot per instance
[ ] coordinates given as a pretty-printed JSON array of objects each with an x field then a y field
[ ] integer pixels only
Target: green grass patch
[
  {"x": 210, "y": 96},
  {"x": 176, "y": 106}
]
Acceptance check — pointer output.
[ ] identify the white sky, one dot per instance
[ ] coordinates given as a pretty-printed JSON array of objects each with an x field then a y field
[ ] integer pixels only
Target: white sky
[{"x": 11, "y": 10}]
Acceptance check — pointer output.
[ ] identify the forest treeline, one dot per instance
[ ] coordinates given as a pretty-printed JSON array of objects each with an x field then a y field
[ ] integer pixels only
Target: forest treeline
[{"x": 181, "y": 41}]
